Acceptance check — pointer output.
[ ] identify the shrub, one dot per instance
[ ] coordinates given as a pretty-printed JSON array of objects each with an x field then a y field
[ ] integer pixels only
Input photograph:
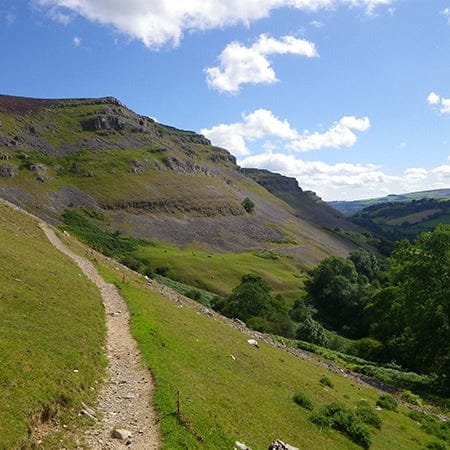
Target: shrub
[
  {"x": 311, "y": 331},
  {"x": 366, "y": 348},
  {"x": 387, "y": 402},
  {"x": 195, "y": 294},
  {"x": 163, "y": 271},
  {"x": 432, "y": 425},
  {"x": 325, "y": 381},
  {"x": 259, "y": 324},
  {"x": 409, "y": 397},
  {"x": 435, "y": 445},
  {"x": 248, "y": 205},
  {"x": 303, "y": 400},
  {"x": 368, "y": 415},
  {"x": 338, "y": 416}
]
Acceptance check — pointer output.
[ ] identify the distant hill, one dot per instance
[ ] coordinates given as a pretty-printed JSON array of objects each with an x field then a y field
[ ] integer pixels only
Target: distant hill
[
  {"x": 349, "y": 208},
  {"x": 404, "y": 219},
  {"x": 154, "y": 181}
]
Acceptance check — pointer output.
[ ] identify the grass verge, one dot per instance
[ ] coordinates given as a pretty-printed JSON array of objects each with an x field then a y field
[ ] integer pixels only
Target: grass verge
[{"x": 52, "y": 331}]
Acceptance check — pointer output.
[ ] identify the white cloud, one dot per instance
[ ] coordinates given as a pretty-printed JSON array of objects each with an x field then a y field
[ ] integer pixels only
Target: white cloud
[
  {"x": 345, "y": 181},
  {"x": 76, "y": 41},
  {"x": 442, "y": 171},
  {"x": 339, "y": 135},
  {"x": 330, "y": 181},
  {"x": 160, "y": 22},
  {"x": 434, "y": 99},
  {"x": 239, "y": 64},
  {"x": 317, "y": 24},
  {"x": 262, "y": 124},
  {"x": 259, "y": 124},
  {"x": 446, "y": 13}
]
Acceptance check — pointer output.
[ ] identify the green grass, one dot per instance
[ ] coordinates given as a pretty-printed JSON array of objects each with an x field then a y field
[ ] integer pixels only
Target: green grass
[
  {"x": 52, "y": 332},
  {"x": 230, "y": 390},
  {"x": 220, "y": 273},
  {"x": 212, "y": 273}
]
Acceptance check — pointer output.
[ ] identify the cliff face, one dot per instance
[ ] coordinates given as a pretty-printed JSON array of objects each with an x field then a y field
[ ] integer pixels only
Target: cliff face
[
  {"x": 152, "y": 180},
  {"x": 307, "y": 204}
]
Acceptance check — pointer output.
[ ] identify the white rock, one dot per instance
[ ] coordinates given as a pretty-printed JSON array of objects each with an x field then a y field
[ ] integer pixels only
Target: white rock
[{"x": 120, "y": 433}]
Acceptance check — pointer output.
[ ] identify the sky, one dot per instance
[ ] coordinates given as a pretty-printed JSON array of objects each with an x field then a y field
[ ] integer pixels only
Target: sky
[{"x": 351, "y": 97}]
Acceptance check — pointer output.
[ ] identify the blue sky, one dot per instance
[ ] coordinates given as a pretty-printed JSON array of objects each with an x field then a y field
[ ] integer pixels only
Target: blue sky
[{"x": 351, "y": 97}]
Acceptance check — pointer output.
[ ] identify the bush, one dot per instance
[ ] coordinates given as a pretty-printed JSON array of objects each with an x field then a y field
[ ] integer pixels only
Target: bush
[
  {"x": 387, "y": 402},
  {"x": 163, "y": 271},
  {"x": 437, "y": 446},
  {"x": 325, "y": 381},
  {"x": 195, "y": 294},
  {"x": 311, "y": 331},
  {"x": 248, "y": 205},
  {"x": 368, "y": 415},
  {"x": 303, "y": 400},
  {"x": 409, "y": 397},
  {"x": 366, "y": 348},
  {"x": 259, "y": 324},
  {"x": 338, "y": 416},
  {"x": 432, "y": 425}
]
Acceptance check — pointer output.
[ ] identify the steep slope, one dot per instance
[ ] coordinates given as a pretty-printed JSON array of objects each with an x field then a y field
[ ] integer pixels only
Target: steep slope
[
  {"x": 52, "y": 334},
  {"x": 307, "y": 204},
  {"x": 149, "y": 179}
]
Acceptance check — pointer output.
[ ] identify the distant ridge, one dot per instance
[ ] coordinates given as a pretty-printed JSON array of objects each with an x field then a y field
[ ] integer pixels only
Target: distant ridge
[{"x": 350, "y": 208}]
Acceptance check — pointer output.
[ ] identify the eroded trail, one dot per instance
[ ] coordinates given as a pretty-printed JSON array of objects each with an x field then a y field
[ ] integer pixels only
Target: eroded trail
[{"x": 125, "y": 399}]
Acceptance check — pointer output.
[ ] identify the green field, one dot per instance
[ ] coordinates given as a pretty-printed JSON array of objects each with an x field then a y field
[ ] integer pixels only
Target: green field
[
  {"x": 52, "y": 331},
  {"x": 231, "y": 391},
  {"x": 221, "y": 272}
]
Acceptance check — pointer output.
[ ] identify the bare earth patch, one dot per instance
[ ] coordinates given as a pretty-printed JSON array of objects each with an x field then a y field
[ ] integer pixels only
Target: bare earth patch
[{"x": 125, "y": 399}]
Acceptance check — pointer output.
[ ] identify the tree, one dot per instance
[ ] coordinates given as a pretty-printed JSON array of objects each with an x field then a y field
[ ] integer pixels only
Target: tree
[
  {"x": 339, "y": 295},
  {"x": 412, "y": 317},
  {"x": 250, "y": 299},
  {"x": 312, "y": 331},
  {"x": 365, "y": 262}
]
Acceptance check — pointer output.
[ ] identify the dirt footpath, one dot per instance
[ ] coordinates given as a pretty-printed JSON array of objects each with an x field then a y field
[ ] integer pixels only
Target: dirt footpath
[{"x": 125, "y": 399}]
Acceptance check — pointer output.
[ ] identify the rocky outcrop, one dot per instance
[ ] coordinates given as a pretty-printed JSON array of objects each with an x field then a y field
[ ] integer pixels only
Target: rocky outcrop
[
  {"x": 8, "y": 170},
  {"x": 307, "y": 204},
  {"x": 103, "y": 123}
]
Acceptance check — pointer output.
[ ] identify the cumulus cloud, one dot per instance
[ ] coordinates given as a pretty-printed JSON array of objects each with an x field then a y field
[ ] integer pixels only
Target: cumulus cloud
[
  {"x": 330, "y": 181},
  {"x": 338, "y": 135},
  {"x": 160, "y": 22},
  {"x": 262, "y": 124},
  {"x": 346, "y": 181},
  {"x": 446, "y": 13},
  {"x": 442, "y": 171},
  {"x": 239, "y": 64},
  {"x": 441, "y": 103},
  {"x": 259, "y": 124},
  {"x": 76, "y": 41}
]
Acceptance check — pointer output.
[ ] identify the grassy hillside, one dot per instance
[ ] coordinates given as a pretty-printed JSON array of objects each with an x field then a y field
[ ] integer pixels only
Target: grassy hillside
[
  {"x": 147, "y": 179},
  {"x": 231, "y": 391},
  {"x": 350, "y": 208},
  {"x": 52, "y": 332},
  {"x": 399, "y": 220}
]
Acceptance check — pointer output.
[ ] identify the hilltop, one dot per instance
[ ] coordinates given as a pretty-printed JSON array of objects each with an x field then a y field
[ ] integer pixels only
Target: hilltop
[
  {"x": 349, "y": 208},
  {"x": 151, "y": 180}
]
